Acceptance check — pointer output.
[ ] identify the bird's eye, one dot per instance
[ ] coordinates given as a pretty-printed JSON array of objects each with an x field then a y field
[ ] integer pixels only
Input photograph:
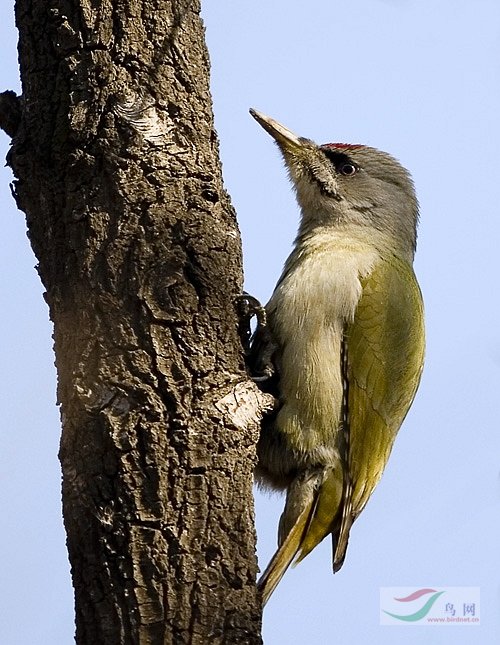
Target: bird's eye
[{"x": 348, "y": 169}]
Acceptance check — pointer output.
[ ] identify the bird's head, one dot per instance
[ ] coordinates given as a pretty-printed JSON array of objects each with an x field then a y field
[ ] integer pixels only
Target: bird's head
[{"x": 349, "y": 186}]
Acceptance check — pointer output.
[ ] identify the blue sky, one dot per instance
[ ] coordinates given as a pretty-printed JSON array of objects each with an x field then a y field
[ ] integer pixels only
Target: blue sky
[{"x": 419, "y": 79}]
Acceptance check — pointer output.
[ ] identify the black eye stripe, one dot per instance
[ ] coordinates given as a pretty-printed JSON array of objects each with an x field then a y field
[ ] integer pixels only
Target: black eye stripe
[{"x": 341, "y": 161}]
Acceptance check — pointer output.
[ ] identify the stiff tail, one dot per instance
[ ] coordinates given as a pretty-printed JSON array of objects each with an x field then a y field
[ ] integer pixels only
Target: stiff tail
[
  {"x": 324, "y": 517},
  {"x": 341, "y": 538},
  {"x": 283, "y": 557},
  {"x": 315, "y": 521}
]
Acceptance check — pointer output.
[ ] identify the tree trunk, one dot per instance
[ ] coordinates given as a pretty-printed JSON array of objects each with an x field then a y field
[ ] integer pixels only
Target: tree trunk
[{"x": 117, "y": 170}]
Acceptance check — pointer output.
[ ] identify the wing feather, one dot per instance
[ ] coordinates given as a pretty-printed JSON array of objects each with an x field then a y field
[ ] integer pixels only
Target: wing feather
[{"x": 385, "y": 353}]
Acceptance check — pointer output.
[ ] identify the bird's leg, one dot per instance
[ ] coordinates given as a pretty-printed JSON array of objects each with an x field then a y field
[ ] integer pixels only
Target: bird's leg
[
  {"x": 259, "y": 346},
  {"x": 247, "y": 307}
]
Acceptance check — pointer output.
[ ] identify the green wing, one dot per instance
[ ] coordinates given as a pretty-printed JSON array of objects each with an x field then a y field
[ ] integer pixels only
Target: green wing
[{"x": 385, "y": 353}]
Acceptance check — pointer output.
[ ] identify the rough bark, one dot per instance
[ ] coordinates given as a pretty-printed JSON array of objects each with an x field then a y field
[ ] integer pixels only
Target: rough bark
[{"x": 117, "y": 170}]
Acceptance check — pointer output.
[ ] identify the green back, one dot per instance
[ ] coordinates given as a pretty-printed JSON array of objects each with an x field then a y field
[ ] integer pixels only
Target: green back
[{"x": 385, "y": 354}]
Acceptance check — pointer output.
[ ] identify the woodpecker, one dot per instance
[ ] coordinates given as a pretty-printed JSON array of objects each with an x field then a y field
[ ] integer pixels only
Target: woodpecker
[{"x": 345, "y": 333}]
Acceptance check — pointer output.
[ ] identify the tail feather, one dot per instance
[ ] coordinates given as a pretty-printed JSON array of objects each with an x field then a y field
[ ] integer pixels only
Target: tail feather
[
  {"x": 328, "y": 502},
  {"x": 320, "y": 500},
  {"x": 284, "y": 555},
  {"x": 341, "y": 539}
]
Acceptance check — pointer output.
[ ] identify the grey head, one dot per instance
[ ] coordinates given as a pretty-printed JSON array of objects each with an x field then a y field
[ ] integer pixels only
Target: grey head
[{"x": 350, "y": 187}]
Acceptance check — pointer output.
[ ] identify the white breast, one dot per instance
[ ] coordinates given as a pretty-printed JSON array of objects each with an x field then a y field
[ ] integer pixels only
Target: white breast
[{"x": 317, "y": 295}]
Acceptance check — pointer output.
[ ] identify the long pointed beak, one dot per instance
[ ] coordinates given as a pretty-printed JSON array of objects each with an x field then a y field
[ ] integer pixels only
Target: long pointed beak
[{"x": 285, "y": 138}]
